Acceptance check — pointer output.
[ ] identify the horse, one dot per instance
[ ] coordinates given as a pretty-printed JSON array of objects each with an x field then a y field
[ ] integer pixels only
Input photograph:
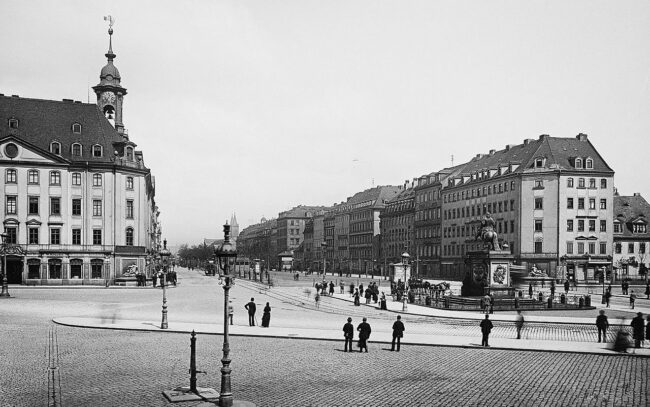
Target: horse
[{"x": 490, "y": 237}]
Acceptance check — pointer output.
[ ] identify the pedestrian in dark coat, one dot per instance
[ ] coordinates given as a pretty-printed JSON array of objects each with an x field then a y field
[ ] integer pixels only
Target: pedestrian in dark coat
[
  {"x": 608, "y": 297},
  {"x": 364, "y": 334},
  {"x": 351, "y": 289},
  {"x": 154, "y": 279},
  {"x": 637, "y": 325},
  {"x": 566, "y": 287},
  {"x": 331, "y": 289},
  {"x": 552, "y": 288},
  {"x": 361, "y": 292},
  {"x": 486, "y": 328},
  {"x": 530, "y": 290},
  {"x": 632, "y": 299},
  {"x": 251, "y": 312},
  {"x": 368, "y": 295},
  {"x": 602, "y": 324},
  {"x": 356, "y": 298},
  {"x": 398, "y": 333},
  {"x": 266, "y": 317},
  {"x": 348, "y": 334},
  {"x": 382, "y": 303}
]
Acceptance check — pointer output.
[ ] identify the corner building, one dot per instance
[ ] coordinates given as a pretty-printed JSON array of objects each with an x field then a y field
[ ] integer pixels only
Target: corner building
[
  {"x": 78, "y": 199},
  {"x": 551, "y": 199}
]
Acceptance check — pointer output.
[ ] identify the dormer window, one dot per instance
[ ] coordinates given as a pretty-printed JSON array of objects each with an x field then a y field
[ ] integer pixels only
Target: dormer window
[
  {"x": 578, "y": 163},
  {"x": 55, "y": 148},
  {"x": 13, "y": 123},
  {"x": 76, "y": 150},
  {"x": 97, "y": 150},
  {"x": 129, "y": 153},
  {"x": 617, "y": 227},
  {"x": 639, "y": 228},
  {"x": 76, "y": 128},
  {"x": 539, "y": 163},
  {"x": 589, "y": 163}
]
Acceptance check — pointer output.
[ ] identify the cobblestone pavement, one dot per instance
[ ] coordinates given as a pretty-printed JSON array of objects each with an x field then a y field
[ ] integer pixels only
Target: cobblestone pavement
[
  {"x": 120, "y": 368},
  {"x": 95, "y": 367}
]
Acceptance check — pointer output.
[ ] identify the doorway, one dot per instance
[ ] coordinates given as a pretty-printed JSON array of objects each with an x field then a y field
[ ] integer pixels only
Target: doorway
[{"x": 14, "y": 270}]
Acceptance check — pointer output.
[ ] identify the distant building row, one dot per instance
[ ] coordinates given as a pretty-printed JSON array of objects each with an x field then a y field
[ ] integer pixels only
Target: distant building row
[{"x": 553, "y": 200}]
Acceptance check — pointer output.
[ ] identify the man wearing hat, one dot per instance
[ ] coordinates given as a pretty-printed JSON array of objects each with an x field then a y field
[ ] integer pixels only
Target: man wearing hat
[
  {"x": 364, "y": 334},
  {"x": 637, "y": 329},
  {"x": 348, "y": 333},
  {"x": 398, "y": 332}
]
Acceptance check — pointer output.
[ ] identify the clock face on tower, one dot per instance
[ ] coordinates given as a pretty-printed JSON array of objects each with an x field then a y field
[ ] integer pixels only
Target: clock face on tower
[{"x": 108, "y": 97}]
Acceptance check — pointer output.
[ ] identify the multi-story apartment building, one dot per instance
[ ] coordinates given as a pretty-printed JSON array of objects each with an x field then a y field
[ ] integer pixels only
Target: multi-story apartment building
[
  {"x": 396, "y": 224},
  {"x": 364, "y": 209},
  {"x": 328, "y": 235},
  {"x": 78, "y": 198},
  {"x": 551, "y": 199},
  {"x": 290, "y": 227},
  {"x": 259, "y": 241},
  {"x": 631, "y": 236}
]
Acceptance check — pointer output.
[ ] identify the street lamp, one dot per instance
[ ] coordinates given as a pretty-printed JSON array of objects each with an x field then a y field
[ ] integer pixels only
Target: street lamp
[
  {"x": 405, "y": 260},
  {"x": 323, "y": 246},
  {"x": 164, "y": 255},
  {"x": 226, "y": 255},
  {"x": 5, "y": 287}
]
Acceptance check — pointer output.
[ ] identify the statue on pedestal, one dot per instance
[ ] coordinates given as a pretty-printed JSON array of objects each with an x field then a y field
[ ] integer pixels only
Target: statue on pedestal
[{"x": 487, "y": 233}]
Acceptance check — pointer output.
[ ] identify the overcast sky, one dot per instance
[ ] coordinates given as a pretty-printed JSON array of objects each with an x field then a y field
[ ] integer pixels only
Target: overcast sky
[{"x": 254, "y": 107}]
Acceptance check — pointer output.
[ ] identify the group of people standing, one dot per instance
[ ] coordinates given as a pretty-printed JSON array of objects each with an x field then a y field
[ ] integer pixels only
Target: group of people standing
[
  {"x": 364, "y": 330},
  {"x": 640, "y": 331},
  {"x": 371, "y": 293},
  {"x": 252, "y": 308}
]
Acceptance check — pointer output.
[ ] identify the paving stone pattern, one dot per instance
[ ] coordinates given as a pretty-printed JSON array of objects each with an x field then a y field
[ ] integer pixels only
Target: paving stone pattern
[{"x": 125, "y": 368}]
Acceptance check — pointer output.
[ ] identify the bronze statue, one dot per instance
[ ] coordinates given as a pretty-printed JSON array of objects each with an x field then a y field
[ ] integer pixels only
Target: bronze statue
[{"x": 487, "y": 233}]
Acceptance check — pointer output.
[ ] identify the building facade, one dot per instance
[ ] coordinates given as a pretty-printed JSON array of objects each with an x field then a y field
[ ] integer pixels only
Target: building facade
[
  {"x": 79, "y": 202},
  {"x": 397, "y": 232},
  {"x": 631, "y": 237}
]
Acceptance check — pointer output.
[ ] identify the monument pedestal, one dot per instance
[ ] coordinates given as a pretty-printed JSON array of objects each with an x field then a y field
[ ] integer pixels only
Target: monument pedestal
[{"x": 487, "y": 271}]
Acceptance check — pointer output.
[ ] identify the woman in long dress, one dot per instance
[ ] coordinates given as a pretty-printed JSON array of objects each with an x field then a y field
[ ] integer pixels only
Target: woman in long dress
[
  {"x": 356, "y": 297},
  {"x": 266, "y": 317}
]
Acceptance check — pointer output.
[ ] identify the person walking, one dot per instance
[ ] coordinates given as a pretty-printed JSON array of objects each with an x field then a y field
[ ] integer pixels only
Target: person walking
[
  {"x": 317, "y": 299},
  {"x": 154, "y": 279},
  {"x": 602, "y": 324},
  {"x": 632, "y": 299},
  {"x": 637, "y": 325},
  {"x": 251, "y": 308},
  {"x": 530, "y": 290},
  {"x": 566, "y": 287},
  {"x": 364, "y": 334},
  {"x": 356, "y": 298},
  {"x": 398, "y": 333},
  {"x": 382, "y": 302},
  {"x": 331, "y": 289},
  {"x": 486, "y": 328},
  {"x": 231, "y": 311},
  {"x": 342, "y": 286},
  {"x": 348, "y": 334},
  {"x": 608, "y": 297},
  {"x": 266, "y": 316},
  {"x": 519, "y": 323}
]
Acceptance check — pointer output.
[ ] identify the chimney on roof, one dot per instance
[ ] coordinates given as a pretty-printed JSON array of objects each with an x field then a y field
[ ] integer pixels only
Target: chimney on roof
[
  {"x": 528, "y": 141},
  {"x": 509, "y": 146},
  {"x": 543, "y": 137},
  {"x": 581, "y": 137},
  {"x": 637, "y": 194},
  {"x": 492, "y": 151},
  {"x": 14, "y": 96}
]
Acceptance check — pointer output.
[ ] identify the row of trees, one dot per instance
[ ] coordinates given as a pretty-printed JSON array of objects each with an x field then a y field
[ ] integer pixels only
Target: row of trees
[{"x": 195, "y": 256}]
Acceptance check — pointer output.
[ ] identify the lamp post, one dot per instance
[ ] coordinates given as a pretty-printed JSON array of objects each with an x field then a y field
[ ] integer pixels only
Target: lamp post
[
  {"x": 5, "y": 287},
  {"x": 164, "y": 255},
  {"x": 405, "y": 260},
  {"x": 226, "y": 255},
  {"x": 323, "y": 246}
]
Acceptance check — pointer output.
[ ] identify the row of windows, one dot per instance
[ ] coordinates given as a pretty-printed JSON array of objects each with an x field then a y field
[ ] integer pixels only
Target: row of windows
[
  {"x": 636, "y": 228},
  {"x": 592, "y": 183},
  {"x": 581, "y": 203},
  {"x": 77, "y": 149},
  {"x": 590, "y": 248},
  {"x": 13, "y": 124},
  {"x": 55, "y": 206},
  {"x": 33, "y": 177},
  {"x": 471, "y": 231},
  {"x": 492, "y": 207},
  {"x": 618, "y": 248},
  {"x": 581, "y": 225},
  {"x": 55, "y": 236},
  {"x": 478, "y": 192},
  {"x": 460, "y": 250},
  {"x": 588, "y": 163},
  {"x": 54, "y": 268}
]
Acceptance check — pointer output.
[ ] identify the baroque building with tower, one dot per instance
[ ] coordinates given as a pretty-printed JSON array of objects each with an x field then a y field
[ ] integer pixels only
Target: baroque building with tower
[{"x": 79, "y": 202}]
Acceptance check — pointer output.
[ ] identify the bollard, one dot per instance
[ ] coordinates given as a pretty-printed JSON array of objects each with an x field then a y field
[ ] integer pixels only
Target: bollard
[
  {"x": 550, "y": 302},
  {"x": 193, "y": 363}
]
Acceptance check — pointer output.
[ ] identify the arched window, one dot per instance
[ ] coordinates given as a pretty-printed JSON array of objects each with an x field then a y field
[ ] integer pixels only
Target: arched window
[
  {"x": 76, "y": 128},
  {"x": 55, "y": 148},
  {"x": 55, "y": 178},
  {"x": 578, "y": 162},
  {"x": 129, "y": 236},
  {"x": 97, "y": 180},
  {"x": 589, "y": 163},
  {"x": 11, "y": 176},
  {"x": 76, "y": 150},
  {"x": 32, "y": 177},
  {"x": 97, "y": 150}
]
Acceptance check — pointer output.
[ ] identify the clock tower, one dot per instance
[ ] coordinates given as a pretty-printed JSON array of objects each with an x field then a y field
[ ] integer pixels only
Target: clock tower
[{"x": 110, "y": 94}]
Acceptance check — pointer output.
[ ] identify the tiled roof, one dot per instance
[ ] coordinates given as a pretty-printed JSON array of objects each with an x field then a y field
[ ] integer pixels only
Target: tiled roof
[
  {"x": 40, "y": 122},
  {"x": 629, "y": 209},
  {"x": 558, "y": 152},
  {"x": 300, "y": 211},
  {"x": 378, "y": 195}
]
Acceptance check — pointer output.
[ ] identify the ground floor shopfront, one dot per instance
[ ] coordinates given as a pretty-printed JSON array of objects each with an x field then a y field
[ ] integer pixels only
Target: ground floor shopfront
[{"x": 98, "y": 267}]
